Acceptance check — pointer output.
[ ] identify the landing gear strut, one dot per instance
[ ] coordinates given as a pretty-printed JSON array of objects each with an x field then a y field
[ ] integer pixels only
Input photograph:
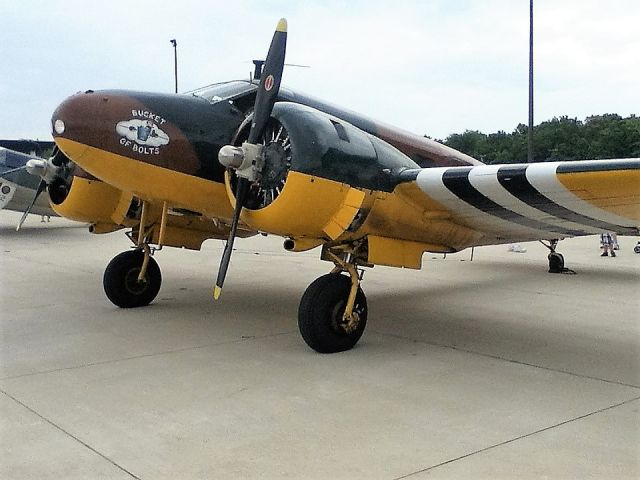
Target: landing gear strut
[{"x": 333, "y": 310}]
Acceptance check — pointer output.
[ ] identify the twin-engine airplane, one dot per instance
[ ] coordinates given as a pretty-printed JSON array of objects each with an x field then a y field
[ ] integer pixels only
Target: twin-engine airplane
[{"x": 246, "y": 157}]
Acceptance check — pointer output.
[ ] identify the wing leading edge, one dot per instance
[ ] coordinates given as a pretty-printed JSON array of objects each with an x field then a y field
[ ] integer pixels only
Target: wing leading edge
[{"x": 508, "y": 203}]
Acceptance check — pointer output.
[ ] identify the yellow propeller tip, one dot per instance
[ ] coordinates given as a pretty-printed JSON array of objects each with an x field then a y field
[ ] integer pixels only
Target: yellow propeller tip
[
  {"x": 282, "y": 25},
  {"x": 216, "y": 292}
]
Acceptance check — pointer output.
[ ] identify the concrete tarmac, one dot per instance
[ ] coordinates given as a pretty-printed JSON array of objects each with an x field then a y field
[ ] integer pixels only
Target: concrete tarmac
[{"x": 491, "y": 368}]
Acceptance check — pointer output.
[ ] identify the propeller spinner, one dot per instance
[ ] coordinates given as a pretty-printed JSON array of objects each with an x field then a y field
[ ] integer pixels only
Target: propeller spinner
[{"x": 248, "y": 160}]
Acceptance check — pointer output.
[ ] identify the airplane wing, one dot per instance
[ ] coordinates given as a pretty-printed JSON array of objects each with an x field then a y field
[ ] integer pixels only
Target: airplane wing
[{"x": 494, "y": 204}]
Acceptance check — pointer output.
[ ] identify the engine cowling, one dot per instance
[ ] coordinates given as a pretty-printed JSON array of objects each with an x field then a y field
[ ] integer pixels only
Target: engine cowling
[
  {"x": 77, "y": 195},
  {"x": 93, "y": 201},
  {"x": 312, "y": 163}
]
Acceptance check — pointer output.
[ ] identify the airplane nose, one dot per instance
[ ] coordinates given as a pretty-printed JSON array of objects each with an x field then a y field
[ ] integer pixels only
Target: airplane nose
[
  {"x": 100, "y": 129},
  {"x": 71, "y": 117},
  {"x": 113, "y": 121},
  {"x": 75, "y": 123},
  {"x": 131, "y": 124}
]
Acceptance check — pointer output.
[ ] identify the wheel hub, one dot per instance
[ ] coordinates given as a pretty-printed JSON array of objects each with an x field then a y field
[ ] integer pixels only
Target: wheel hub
[
  {"x": 340, "y": 323},
  {"x": 132, "y": 284},
  {"x": 350, "y": 324}
]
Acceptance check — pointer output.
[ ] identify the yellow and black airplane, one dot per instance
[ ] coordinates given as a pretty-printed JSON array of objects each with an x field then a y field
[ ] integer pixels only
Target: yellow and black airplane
[{"x": 246, "y": 157}]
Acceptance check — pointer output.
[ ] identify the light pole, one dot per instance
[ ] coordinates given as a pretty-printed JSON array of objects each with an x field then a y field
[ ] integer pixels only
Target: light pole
[
  {"x": 530, "y": 130},
  {"x": 175, "y": 60}
]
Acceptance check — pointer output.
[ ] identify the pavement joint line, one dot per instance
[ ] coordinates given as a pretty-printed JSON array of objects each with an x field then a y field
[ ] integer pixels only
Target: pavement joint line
[
  {"x": 145, "y": 355},
  {"x": 58, "y": 427},
  {"x": 515, "y": 439},
  {"x": 510, "y": 360}
]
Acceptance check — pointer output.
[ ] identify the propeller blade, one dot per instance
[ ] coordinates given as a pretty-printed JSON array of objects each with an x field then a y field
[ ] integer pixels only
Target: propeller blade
[
  {"x": 265, "y": 99},
  {"x": 41, "y": 186},
  {"x": 269, "y": 82},
  {"x": 7, "y": 172},
  {"x": 241, "y": 193}
]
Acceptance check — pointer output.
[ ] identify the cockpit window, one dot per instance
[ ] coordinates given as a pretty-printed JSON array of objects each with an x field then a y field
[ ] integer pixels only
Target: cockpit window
[{"x": 223, "y": 91}]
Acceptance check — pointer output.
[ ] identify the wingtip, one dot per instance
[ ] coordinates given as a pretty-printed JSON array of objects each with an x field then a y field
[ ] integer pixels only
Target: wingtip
[
  {"x": 216, "y": 292},
  {"x": 282, "y": 25}
]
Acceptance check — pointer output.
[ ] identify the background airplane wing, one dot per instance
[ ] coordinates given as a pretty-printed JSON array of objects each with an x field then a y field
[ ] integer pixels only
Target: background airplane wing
[{"x": 493, "y": 204}]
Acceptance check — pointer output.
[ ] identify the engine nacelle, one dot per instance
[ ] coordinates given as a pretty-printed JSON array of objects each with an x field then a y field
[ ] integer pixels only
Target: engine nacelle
[
  {"x": 311, "y": 162},
  {"x": 93, "y": 201}
]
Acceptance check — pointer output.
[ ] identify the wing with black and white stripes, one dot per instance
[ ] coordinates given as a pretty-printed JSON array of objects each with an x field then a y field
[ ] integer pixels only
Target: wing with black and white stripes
[{"x": 508, "y": 203}]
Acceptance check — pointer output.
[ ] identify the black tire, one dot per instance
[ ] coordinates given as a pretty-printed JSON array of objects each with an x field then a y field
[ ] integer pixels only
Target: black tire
[
  {"x": 556, "y": 262},
  {"x": 636, "y": 249},
  {"x": 121, "y": 280},
  {"x": 320, "y": 314}
]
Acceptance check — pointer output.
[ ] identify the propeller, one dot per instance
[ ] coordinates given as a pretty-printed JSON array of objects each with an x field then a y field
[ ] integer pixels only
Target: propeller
[
  {"x": 247, "y": 161},
  {"x": 7, "y": 172},
  {"x": 41, "y": 187},
  {"x": 56, "y": 169}
]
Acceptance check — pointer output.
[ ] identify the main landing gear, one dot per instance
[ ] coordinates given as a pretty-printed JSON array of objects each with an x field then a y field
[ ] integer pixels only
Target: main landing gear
[
  {"x": 333, "y": 310},
  {"x": 132, "y": 278}
]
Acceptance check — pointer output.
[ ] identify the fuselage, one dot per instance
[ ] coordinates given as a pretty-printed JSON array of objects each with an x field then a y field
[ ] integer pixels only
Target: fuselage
[
  {"x": 164, "y": 148},
  {"x": 184, "y": 132}
]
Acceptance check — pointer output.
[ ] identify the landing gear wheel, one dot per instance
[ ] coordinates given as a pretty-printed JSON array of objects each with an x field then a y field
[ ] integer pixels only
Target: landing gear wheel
[
  {"x": 556, "y": 262},
  {"x": 636, "y": 249},
  {"x": 320, "y": 314},
  {"x": 121, "y": 280}
]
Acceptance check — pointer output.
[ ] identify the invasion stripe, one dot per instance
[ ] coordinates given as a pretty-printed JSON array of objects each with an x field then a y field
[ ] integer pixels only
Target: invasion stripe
[
  {"x": 457, "y": 181},
  {"x": 514, "y": 180},
  {"x": 485, "y": 180}
]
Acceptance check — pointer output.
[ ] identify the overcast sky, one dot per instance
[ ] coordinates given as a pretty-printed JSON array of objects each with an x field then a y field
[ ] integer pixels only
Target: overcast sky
[{"x": 433, "y": 67}]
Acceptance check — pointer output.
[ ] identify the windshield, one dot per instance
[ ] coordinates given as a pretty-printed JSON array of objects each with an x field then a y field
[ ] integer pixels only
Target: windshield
[{"x": 223, "y": 91}]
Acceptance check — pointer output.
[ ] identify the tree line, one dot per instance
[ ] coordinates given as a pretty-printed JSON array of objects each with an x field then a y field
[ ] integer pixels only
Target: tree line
[{"x": 563, "y": 138}]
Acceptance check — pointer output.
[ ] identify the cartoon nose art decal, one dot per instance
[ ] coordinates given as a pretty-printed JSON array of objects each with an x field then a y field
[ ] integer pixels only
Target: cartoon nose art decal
[{"x": 142, "y": 136}]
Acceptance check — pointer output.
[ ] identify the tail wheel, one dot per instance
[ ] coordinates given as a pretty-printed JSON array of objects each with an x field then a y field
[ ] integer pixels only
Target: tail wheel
[
  {"x": 320, "y": 314},
  {"x": 121, "y": 280}
]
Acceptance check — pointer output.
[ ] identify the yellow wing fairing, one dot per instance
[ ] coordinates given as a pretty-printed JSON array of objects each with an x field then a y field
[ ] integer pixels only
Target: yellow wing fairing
[{"x": 397, "y": 253}]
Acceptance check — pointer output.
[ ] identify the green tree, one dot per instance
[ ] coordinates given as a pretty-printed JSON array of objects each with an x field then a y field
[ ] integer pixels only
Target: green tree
[{"x": 561, "y": 138}]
